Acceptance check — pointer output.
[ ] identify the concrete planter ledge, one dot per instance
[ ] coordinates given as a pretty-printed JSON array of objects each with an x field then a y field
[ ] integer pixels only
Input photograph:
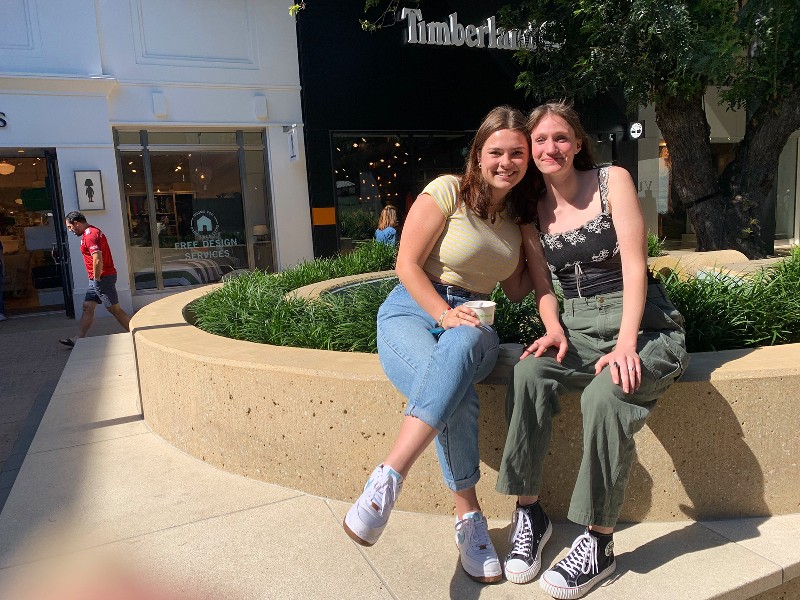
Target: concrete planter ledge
[{"x": 721, "y": 443}]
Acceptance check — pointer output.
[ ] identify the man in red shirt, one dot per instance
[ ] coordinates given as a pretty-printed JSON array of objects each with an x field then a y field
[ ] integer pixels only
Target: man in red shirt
[{"x": 102, "y": 275}]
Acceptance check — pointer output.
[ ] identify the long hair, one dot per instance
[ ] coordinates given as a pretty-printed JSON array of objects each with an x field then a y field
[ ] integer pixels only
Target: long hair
[
  {"x": 475, "y": 193},
  {"x": 388, "y": 217}
]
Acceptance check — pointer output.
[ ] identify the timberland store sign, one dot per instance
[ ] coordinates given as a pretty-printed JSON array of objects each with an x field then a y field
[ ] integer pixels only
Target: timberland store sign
[{"x": 485, "y": 35}]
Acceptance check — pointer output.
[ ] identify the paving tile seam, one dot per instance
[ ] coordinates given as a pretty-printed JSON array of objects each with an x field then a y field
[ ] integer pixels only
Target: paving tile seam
[
  {"x": 363, "y": 554},
  {"x": 91, "y": 443},
  {"x": 749, "y": 551}
]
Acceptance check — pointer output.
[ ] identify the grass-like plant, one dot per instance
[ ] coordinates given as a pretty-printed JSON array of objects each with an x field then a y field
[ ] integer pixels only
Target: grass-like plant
[
  {"x": 655, "y": 246},
  {"x": 255, "y": 306},
  {"x": 722, "y": 311},
  {"x": 725, "y": 311},
  {"x": 357, "y": 223}
]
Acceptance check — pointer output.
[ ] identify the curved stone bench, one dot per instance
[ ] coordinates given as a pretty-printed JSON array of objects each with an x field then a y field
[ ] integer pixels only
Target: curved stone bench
[
  {"x": 687, "y": 264},
  {"x": 722, "y": 442}
]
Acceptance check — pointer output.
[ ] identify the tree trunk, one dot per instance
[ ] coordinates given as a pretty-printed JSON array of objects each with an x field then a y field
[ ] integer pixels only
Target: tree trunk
[
  {"x": 750, "y": 178},
  {"x": 718, "y": 222}
]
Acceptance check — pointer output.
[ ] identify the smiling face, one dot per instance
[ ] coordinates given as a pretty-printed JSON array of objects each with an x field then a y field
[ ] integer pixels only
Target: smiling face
[
  {"x": 554, "y": 145},
  {"x": 503, "y": 161}
]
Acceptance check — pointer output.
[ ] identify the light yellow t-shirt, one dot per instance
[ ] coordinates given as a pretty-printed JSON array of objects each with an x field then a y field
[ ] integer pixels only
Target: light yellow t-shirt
[{"x": 472, "y": 252}]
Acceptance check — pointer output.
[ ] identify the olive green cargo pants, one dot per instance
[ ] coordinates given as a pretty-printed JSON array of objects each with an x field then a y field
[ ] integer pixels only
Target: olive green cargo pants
[{"x": 610, "y": 416}]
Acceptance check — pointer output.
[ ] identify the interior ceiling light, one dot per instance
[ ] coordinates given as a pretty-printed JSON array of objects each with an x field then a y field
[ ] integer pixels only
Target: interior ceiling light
[{"x": 6, "y": 168}]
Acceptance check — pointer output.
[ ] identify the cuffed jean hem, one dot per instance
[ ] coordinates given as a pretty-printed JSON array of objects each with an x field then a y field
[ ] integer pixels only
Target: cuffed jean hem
[
  {"x": 463, "y": 484},
  {"x": 425, "y": 417}
]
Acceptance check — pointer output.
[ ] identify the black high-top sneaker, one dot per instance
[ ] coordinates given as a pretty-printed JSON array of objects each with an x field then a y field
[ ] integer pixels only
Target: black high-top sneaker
[
  {"x": 590, "y": 560},
  {"x": 530, "y": 530}
]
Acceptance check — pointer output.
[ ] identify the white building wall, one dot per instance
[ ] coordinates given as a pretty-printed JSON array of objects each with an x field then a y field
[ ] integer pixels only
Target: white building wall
[
  {"x": 72, "y": 70},
  {"x": 49, "y": 36}
]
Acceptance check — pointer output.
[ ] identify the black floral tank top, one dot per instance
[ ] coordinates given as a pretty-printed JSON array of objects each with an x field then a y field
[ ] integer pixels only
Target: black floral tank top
[{"x": 586, "y": 260}]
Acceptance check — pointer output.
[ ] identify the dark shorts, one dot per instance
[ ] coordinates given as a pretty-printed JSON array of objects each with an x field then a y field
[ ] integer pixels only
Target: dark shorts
[{"x": 103, "y": 292}]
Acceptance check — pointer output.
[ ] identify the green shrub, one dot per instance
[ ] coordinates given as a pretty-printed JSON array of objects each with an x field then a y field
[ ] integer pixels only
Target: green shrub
[
  {"x": 357, "y": 224},
  {"x": 516, "y": 322},
  {"x": 254, "y": 306},
  {"x": 721, "y": 311}
]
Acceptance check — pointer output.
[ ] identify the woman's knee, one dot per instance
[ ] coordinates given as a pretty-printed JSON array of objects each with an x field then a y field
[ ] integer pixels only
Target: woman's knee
[
  {"x": 476, "y": 342},
  {"x": 605, "y": 402},
  {"x": 532, "y": 386}
]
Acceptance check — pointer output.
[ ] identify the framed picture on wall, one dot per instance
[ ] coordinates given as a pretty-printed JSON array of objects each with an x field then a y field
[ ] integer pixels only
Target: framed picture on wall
[{"x": 90, "y": 190}]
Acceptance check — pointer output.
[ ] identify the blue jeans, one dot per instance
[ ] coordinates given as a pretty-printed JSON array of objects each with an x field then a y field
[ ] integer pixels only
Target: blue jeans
[{"x": 438, "y": 376}]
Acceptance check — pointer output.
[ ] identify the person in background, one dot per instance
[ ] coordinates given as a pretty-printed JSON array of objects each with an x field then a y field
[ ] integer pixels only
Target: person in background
[
  {"x": 2, "y": 277},
  {"x": 102, "y": 275},
  {"x": 386, "y": 232},
  {"x": 620, "y": 342},
  {"x": 460, "y": 238}
]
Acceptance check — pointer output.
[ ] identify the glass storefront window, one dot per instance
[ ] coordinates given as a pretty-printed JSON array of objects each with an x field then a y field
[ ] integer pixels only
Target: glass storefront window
[
  {"x": 140, "y": 237},
  {"x": 253, "y": 138},
  {"x": 193, "y": 202},
  {"x": 193, "y": 138},
  {"x": 787, "y": 195},
  {"x": 128, "y": 138},
  {"x": 372, "y": 171}
]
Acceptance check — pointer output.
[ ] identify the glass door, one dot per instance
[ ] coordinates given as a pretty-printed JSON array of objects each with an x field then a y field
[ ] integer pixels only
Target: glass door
[
  {"x": 60, "y": 248},
  {"x": 32, "y": 233}
]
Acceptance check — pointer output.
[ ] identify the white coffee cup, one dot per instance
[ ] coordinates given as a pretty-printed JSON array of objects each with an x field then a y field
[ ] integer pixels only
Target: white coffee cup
[{"x": 484, "y": 309}]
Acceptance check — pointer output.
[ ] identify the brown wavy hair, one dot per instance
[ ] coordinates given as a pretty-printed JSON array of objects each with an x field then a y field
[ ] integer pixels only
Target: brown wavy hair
[{"x": 475, "y": 192}]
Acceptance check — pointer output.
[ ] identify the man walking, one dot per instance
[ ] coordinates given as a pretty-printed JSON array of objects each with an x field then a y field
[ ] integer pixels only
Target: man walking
[{"x": 102, "y": 275}]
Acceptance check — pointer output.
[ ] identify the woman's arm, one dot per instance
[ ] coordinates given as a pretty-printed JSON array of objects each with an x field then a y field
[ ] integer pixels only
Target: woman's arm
[
  {"x": 424, "y": 224},
  {"x": 546, "y": 300},
  {"x": 626, "y": 214},
  {"x": 519, "y": 284}
]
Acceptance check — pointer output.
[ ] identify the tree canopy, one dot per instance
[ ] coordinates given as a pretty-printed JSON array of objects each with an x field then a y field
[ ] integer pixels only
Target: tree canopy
[{"x": 667, "y": 53}]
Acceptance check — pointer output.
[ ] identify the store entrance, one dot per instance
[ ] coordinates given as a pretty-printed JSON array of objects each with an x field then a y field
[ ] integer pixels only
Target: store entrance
[{"x": 36, "y": 275}]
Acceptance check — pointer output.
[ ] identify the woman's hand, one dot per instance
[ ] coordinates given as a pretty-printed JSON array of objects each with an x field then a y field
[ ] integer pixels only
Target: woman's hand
[
  {"x": 460, "y": 315},
  {"x": 555, "y": 339},
  {"x": 625, "y": 367}
]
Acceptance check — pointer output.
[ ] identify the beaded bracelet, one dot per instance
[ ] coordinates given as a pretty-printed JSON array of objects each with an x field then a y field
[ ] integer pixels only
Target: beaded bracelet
[{"x": 440, "y": 322}]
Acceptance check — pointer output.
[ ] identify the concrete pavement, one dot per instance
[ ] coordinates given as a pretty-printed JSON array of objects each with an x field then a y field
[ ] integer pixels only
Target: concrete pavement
[
  {"x": 100, "y": 502},
  {"x": 31, "y": 362}
]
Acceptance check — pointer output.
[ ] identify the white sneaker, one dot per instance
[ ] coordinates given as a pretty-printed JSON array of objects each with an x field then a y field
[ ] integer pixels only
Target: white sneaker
[
  {"x": 478, "y": 556},
  {"x": 367, "y": 518}
]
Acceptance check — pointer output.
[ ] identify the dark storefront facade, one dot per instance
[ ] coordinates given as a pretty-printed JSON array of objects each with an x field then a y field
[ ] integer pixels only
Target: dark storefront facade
[{"x": 383, "y": 116}]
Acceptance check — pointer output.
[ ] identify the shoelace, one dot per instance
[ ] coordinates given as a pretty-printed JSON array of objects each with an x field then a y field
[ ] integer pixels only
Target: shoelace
[
  {"x": 384, "y": 493},
  {"x": 478, "y": 536},
  {"x": 583, "y": 556},
  {"x": 578, "y": 276},
  {"x": 522, "y": 536}
]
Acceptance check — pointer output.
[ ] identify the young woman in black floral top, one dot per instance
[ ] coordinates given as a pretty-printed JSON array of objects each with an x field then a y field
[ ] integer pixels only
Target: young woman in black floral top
[{"x": 619, "y": 341}]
